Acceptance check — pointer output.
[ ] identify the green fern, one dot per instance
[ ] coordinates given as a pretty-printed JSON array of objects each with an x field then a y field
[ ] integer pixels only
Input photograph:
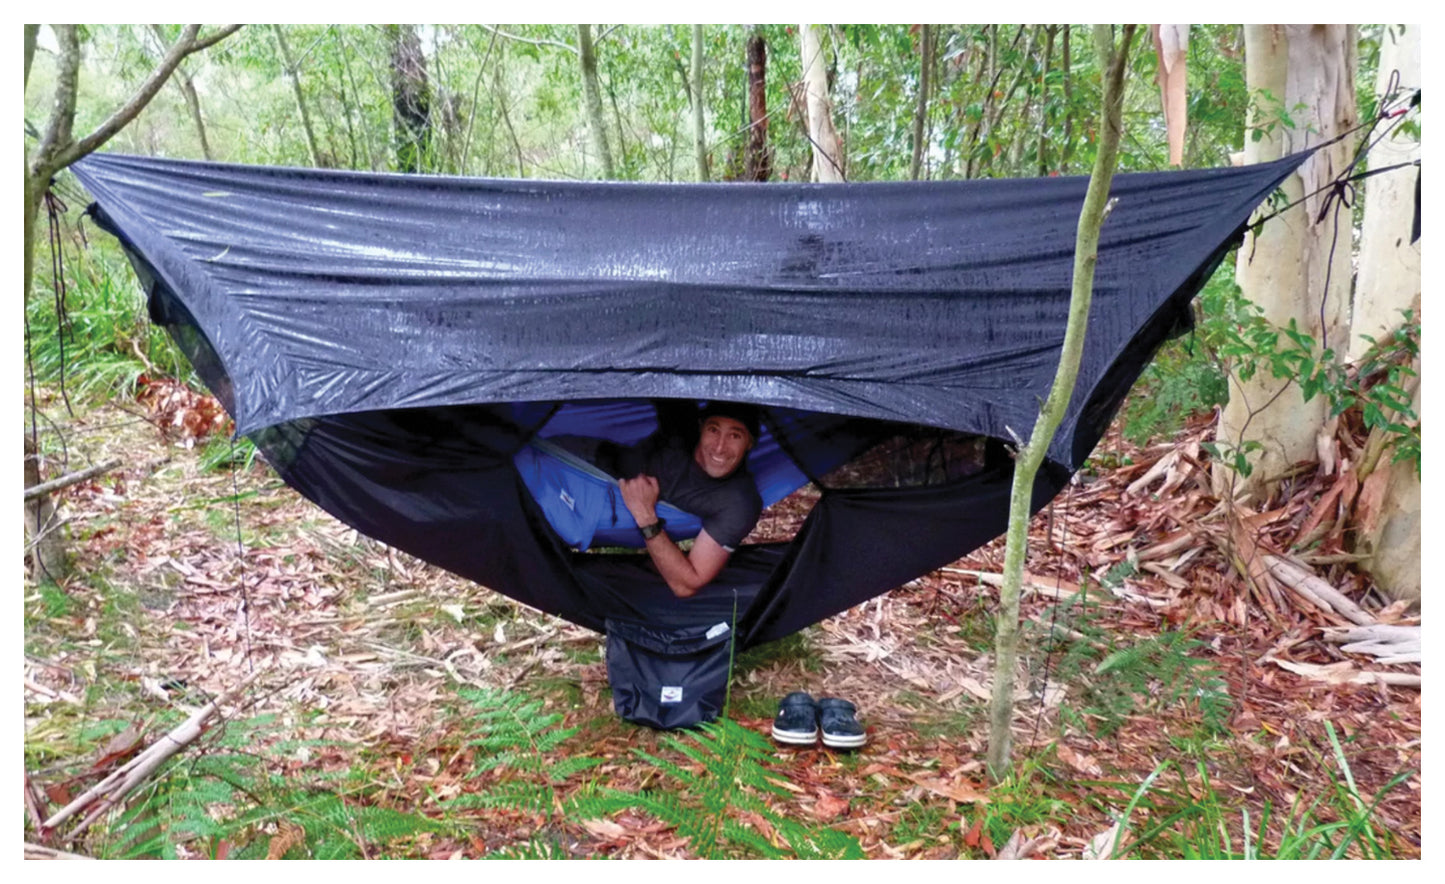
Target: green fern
[
  {"x": 516, "y": 738},
  {"x": 224, "y": 796},
  {"x": 1154, "y": 673},
  {"x": 725, "y": 787}
]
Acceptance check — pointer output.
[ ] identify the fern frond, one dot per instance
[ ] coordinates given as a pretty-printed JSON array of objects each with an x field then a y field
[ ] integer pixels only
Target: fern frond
[{"x": 531, "y": 798}]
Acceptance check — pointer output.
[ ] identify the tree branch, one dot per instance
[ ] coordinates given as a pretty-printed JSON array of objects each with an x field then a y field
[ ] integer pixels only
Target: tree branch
[
  {"x": 69, "y": 479},
  {"x": 207, "y": 43},
  {"x": 115, "y": 787},
  {"x": 186, "y": 45},
  {"x": 501, "y": 33}
]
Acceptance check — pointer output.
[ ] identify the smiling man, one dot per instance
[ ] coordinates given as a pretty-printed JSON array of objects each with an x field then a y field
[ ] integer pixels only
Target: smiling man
[{"x": 711, "y": 482}]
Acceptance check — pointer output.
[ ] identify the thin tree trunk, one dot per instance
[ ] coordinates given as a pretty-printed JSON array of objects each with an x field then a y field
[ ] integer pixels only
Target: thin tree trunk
[
  {"x": 827, "y": 160},
  {"x": 500, "y": 92},
  {"x": 295, "y": 77},
  {"x": 920, "y": 112},
  {"x": 1068, "y": 146},
  {"x": 699, "y": 122},
  {"x": 621, "y": 156},
  {"x": 758, "y": 160},
  {"x": 351, "y": 80},
  {"x": 592, "y": 96},
  {"x": 1044, "y": 99},
  {"x": 476, "y": 94},
  {"x": 188, "y": 90},
  {"x": 1026, "y": 466},
  {"x": 993, "y": 100},
  {"x": 348, "y": 117}
]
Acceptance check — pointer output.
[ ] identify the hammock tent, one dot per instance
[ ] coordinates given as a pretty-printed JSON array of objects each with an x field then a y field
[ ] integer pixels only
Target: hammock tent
[{"x": 402, "y": 348}]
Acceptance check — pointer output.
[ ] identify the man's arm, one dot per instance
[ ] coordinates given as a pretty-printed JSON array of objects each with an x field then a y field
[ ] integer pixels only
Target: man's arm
[{"x": 685, "y": 573}]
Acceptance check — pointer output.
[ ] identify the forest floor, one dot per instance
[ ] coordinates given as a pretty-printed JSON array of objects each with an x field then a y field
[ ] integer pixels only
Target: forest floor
[{"x": 1168, "y": 677}]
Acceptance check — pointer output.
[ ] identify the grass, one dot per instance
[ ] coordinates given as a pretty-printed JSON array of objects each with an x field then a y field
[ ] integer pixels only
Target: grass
[
  {"x": 1028, "y": 798},
  {"x": 930, "y": 720}
]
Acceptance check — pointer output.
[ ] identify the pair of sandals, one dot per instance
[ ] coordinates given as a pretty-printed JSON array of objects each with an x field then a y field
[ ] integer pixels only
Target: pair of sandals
[{"x": 800, "y": 719}]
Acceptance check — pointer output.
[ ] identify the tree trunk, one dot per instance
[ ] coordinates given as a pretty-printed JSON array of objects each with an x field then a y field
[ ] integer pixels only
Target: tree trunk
[
  {"x": 1171, "y": 45},
  {"x": 1388, "y": 534},
  {"x": 1389, "y": 277},
  {"x": 1026, "y": 466},
  {"x": 193, "y": 104},
  {"x": 1295, "y": 269},
  {"x": 1049, "y": 32},
  {"x": 1067, "y": 60},
  {"x": 44, "y": 537},
  {"x": 499, "y": 90},
  {"x": 592, "y": 94},
  {"x": 294, "y": 76},
  {"x": 920, "y": 110},
  {"x": 699, "y": 122},
  {"x": 827, "y": 159},
  {"x": 346, "y": 54},
  {"x": 188, "y": 90},
  {"x": 758, "y": 159},
  {"x": 410, "y": 99}
]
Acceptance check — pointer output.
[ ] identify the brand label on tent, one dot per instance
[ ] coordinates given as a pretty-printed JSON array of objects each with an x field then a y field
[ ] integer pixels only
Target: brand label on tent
[
  {"x": 717, "y": 630},
  {"x": 671, "y": 694},
  {"x": 569, "y": 500}
]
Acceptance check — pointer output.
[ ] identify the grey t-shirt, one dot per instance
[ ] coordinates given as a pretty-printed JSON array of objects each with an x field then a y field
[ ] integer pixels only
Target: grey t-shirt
[{"x": 728, "y": 507}]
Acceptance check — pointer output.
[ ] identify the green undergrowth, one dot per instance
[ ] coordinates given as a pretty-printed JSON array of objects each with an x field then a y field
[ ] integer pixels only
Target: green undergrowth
[
  {"x": 99, "y": 340},
  {"x": 1111, "y": 677},
  {"x": 1179, "y": 813},
  {"x": 253, "y": 786}
]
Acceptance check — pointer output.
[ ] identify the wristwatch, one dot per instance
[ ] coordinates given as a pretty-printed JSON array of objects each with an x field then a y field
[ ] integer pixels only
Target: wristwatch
[{"x": 651, "y": 531}]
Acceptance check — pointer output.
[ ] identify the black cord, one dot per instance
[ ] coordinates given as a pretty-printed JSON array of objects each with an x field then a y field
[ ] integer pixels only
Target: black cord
[
  {"x": 54, "y": 207},
  {"x": 1394, "y": 112},
  {"x": 241, "y": 556},
  {"x": 1053, "y": 617}
]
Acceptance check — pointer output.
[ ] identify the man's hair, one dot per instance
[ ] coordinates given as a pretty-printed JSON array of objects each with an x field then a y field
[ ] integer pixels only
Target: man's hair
[{"x": 745, "y": 414}]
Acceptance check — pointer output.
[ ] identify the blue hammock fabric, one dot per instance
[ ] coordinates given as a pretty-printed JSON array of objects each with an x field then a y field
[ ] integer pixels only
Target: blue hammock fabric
[{"x": 395, "y": 345}]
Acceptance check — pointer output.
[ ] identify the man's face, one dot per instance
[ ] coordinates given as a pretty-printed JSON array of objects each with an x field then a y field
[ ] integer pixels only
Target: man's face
[{"x": 722, "y": 447}]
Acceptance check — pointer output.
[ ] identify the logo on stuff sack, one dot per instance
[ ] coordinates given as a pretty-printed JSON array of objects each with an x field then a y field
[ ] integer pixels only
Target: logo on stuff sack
[{"x": 671, "y": 694}]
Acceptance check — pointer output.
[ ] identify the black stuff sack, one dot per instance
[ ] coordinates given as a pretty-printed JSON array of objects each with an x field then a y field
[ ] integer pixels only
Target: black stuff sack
[{"x": 668, "y": 676}]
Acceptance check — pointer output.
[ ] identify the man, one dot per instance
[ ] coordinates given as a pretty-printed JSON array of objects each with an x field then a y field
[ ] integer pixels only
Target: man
[{"x": 710, "y": 482}]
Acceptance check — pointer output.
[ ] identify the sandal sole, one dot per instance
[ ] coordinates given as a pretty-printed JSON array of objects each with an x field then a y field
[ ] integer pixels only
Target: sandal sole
[{"x": 795, "y": 738}]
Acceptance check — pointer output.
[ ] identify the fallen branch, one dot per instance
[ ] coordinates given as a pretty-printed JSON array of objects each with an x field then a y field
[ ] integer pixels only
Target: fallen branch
[
  {"x": 69, "y": 479},
  {"x": 1385, "y": 642},
  {"x": 35, "y": 851},
  {"x": 1345, "y": 672},
  {"x": 113, "y": 788},
  {"x": 1304, "y": 581},
  {"x": 1047, "y": 586}
]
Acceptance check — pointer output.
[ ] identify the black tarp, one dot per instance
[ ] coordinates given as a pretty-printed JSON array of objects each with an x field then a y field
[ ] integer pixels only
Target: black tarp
[{"x": 391, "y": 341}]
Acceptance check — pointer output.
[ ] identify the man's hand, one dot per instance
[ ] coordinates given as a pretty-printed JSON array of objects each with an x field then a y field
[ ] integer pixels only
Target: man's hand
[{"x": 640, "y": 496}]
